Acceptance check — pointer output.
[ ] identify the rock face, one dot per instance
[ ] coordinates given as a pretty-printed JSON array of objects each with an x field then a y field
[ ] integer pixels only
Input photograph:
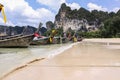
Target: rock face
[
  {"x": 62, "y": 20},
  {"x": 74, "y": 24},
  {"x": 49, "y": 25},
  {"x": 9, "y": 30}
]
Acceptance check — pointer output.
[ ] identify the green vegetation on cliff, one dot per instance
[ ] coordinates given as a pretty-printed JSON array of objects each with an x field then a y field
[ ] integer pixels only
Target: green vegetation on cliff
[
  {"x": 110, "y": 21},
  {"x": 83, "y": 13}
]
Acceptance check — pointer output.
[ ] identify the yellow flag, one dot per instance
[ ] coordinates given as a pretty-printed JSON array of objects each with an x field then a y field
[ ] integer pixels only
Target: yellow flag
[
  {"x": 50, "y": 40},
  {"x": 4, "y": 16},
  {"x": 75, "y": 39},
  {"x": 53, "y": 31}
]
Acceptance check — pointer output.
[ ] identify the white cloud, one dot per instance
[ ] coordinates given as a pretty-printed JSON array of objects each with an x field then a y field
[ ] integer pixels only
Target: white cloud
[
  {"x": 53, "y": 4},
  {"x": 74, "y": 5},
  {"x": 93, "y": 6},
  {"x": 19, "y": 12},
  {"x": 115, "y": 9}
]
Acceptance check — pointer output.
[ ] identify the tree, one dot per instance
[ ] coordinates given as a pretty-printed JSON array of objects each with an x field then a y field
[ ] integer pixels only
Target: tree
[
  {"x": 111, "y": 27},
  {"x": 118, "y": 13},
  {"x": 100, "y": 15},
  {"x": 111, "y": 14},
  {"x": 83, "y": 13}
]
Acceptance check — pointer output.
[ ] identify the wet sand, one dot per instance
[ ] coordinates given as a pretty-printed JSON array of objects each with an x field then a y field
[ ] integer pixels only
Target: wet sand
[
  {"x": 104, "y": 40},
  {"x": 81, "y": 62}
]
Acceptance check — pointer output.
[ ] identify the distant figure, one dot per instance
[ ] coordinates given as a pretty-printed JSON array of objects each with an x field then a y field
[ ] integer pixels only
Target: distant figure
[
  {"x": 64, "y": 35},
  {"x": 74, "y": 39},
  {"x": 80, "y": 39}
]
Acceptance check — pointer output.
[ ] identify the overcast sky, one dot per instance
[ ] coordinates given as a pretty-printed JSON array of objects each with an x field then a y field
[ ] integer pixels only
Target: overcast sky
[{"x": 31, "y": 12}]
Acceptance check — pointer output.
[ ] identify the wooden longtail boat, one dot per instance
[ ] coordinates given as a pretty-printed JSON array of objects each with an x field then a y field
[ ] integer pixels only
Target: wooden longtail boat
[
  {"x": 17, "y": 41},
  {"x": 21, "y": 41},
  {"x": 39, "y": 41},
  {"x": 46, "y": 40}
]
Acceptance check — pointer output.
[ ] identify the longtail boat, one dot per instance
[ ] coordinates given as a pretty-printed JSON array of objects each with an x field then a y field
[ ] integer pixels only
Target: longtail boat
[
  {"x": 17, "y": 41},
  {"x": 48, "y": 40},
  {"x": 21, "y": 40}
]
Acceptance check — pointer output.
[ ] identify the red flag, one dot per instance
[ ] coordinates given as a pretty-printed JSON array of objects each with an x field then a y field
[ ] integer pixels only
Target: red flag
[{"x": 36, "y": 35}]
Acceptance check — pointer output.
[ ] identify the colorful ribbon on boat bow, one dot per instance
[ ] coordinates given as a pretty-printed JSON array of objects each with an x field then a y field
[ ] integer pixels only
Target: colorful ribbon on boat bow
[{"x": 3, "y": 13}]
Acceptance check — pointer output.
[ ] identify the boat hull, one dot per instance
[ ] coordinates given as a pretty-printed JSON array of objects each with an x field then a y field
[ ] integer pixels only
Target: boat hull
[
  {"x": 17, "y": 42},
  {"x": 39, "y": 42},
  {"x": 47, "y": 41}
]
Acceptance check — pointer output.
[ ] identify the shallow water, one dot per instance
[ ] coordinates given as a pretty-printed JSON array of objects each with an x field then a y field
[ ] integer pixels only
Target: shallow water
[
  {"x": 85, "y": 56},
  {"x": 11, "y": 58}
]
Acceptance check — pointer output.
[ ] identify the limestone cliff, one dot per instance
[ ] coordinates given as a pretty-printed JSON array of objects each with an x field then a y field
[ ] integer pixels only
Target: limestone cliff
[{"x": 76, "y": 20}]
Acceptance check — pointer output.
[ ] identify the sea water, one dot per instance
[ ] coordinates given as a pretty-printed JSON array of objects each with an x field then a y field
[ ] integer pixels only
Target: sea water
[{"x": 11, "y": 58}]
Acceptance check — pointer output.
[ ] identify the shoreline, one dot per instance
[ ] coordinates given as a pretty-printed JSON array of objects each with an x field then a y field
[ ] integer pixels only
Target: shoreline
[
  {"x": 36, "y": 60},
  {"x": 20, "y": 67},
  {"x": 111, "y": 40},
  {"x": 103, "y": 40}
]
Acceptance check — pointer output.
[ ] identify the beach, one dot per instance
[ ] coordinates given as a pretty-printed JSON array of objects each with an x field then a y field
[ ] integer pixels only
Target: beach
[{"x": 91, "y": 59}]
